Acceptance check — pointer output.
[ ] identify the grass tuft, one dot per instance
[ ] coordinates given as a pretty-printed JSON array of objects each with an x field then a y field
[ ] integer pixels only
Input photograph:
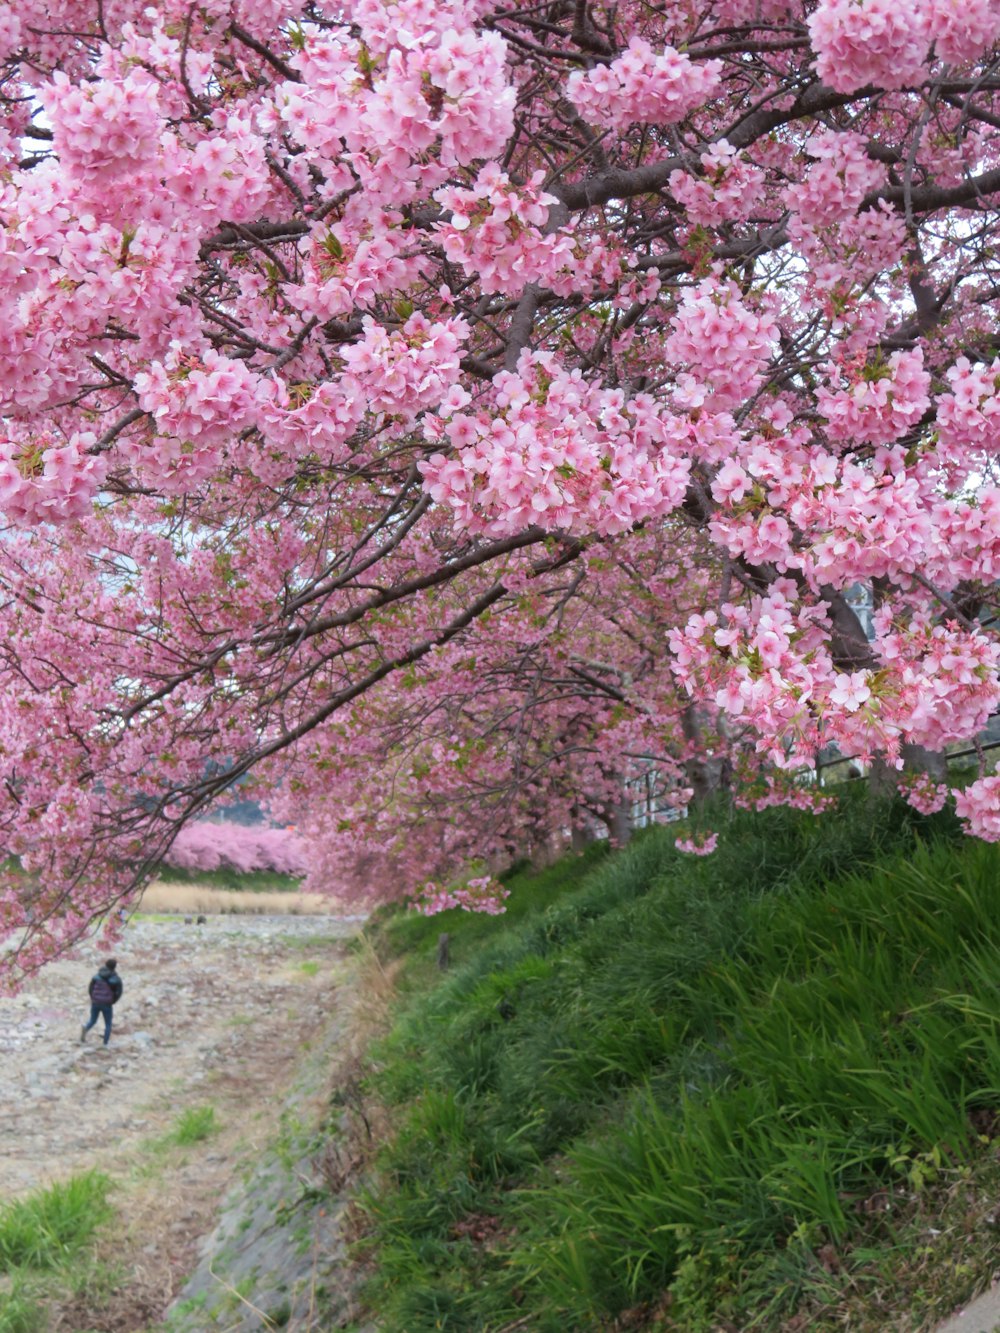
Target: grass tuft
[
  {"x": 195, "y": 1125},
  {"x": 55, "y": 1224}
]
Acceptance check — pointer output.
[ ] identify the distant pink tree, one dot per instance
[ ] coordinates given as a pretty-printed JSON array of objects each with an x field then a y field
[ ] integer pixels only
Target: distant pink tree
[{"x": 207, "y": 846}]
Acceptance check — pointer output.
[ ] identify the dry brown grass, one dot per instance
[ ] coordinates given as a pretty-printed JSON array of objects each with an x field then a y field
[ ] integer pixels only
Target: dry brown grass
[
  {"x": 186, "y": 899},
  {"x": 376, "y": 983}
]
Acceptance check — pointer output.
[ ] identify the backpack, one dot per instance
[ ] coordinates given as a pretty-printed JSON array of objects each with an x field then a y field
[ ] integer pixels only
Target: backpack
[{"x": 101, "y": 992}]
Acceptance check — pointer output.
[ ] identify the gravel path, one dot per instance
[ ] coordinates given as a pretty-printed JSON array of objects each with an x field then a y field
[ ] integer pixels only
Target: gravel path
[
  {"x": 196, "y": 999},
  {"x": 222, "y": 1014}
]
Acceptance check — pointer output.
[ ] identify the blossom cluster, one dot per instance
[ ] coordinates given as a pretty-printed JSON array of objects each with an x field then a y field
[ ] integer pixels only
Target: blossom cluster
[
  {"x": 198, "y": 404},
  {"x": 308, "y": 421},
  {"x": 968, "y": 533},
  {"x": 54, "y": 482},
  {"x": 769, "y": 666},
  {"x": 846, "y": 256},
  {"x": 700, "y": 844},
  {"x": 840, "y": 174},
  {"x": 350, "y": 268},
  {"x": 728, "y": 190},
  {"x": 887, "y": 42},
  {"x": 766, "y": 664},
  {"x": 783, "y": 789},
  {"x": 641, "y": 85},
  {"x": 722, "y": 343},
  {"x": 104, "y": 129},
  {"x": 482, "y": 893},
  {"x": 978, "y": 805},
  {"x": 923, "y": 793},
  {"x": 496, "y": 231},
  {"x": 947, "y": 678},
  {"x": 965, "y": 415},
  {"x": 877, "y": 403},
  {"x": 408, "y": 370},
  {"x": 392, "y": 102},
  {"x": 556, "y": 451},
  {"x": 962, "y": 32},
  {"x": 206, "y": 400},
  {"x": 861, "y": 519},
  {"x": 860, "y": 42}
]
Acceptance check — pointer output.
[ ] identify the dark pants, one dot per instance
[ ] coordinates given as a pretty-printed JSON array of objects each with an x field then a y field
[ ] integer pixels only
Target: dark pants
[{"x": 105, "y": 1011}]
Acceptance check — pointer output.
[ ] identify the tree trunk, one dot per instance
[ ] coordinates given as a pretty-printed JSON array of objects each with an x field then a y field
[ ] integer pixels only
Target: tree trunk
[
  {"x": 617, "y": 816},
  {"x": 706, "y": 774},
  {"x": 580, "y": 838},
  {"x": 444, "y": 951},
  {"x": 883, "y": 780},
  {"x": 620, "y": 825}
]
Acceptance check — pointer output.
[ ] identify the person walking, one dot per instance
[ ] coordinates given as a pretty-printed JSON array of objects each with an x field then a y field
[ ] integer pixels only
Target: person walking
[{"x": 105, "y": 991}]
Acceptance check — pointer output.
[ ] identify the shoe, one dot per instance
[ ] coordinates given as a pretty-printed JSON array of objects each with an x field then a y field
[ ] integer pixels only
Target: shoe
[{"x": 83, "y": 1032}]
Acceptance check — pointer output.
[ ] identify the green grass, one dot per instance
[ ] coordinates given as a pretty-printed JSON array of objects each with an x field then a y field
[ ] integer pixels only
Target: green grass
[
  {"x": 668, "y": 1075},
  {"x": 194, "y": 1125},
  {"x": 249, "y": 881},
  {"x": 47, "y": 1243},
  {"x": 20, "y": 1311},
  {"x": 49, "y": 1226},
  {"x": 400, "y": 932}
]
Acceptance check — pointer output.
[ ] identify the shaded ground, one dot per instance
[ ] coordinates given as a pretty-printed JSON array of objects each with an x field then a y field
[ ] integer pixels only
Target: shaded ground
[{"x": 219, "y": 1015}]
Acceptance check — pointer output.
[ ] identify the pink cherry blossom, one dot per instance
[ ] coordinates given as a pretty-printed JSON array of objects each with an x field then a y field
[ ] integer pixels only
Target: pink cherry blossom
[
  {"x": 480, "y": 894},
  {"x": 979, "y": 805},
  {"x": 858, "y": 42},
  {"x": 962, "y": 32},
  {"x": 878, "y": 403},
  {"x": 643, "y": 86},
  {"x": 702, "y": 844},
  {"x": 850, "y": 691}
]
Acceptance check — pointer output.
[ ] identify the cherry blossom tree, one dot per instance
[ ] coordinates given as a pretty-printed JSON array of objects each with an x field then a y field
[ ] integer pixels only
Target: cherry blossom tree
[
  {"x": 345, "y": 345},
  {"x": 540, "y": 722},
  {"x": 207, "y": 845}
]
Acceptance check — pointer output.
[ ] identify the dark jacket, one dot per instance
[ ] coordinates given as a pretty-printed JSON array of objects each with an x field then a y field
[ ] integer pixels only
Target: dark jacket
[{"x": 112, "y": 980}]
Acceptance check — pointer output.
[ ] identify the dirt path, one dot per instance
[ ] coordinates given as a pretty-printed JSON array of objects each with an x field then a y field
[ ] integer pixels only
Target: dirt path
[{"x": 216, "y": 1015}]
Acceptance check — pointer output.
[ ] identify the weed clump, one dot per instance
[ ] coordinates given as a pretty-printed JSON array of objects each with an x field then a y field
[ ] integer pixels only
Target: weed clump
[
  {"x": 195, "y": 1125},
  {"x": 45, "y": 1244},
  {"x": 49, "y": 1226}
]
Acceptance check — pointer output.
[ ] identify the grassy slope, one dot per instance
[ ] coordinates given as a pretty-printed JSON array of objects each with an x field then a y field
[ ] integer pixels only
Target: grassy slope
[{"x": 670, "y": 1092}]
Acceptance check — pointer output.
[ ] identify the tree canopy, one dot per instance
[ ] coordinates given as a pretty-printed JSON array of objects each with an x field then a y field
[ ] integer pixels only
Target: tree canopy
[{"x": 445, "y": 412}]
